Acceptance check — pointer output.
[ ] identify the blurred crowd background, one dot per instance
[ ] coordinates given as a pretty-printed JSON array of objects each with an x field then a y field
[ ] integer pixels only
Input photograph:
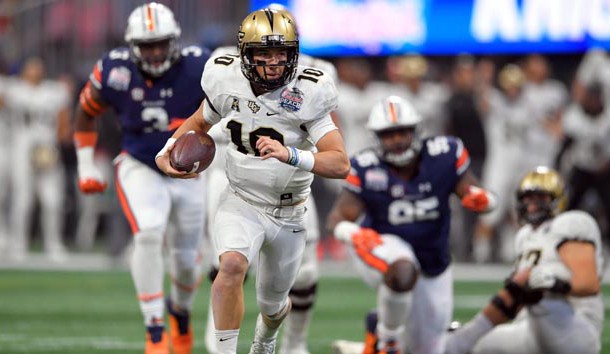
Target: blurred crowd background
[{"x": 513, "y": 111}]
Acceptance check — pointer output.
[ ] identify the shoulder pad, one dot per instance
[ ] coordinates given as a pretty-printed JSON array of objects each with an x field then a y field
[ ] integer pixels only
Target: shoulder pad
[
  {"x": 319, "y": 92},
  {"x": 366, "y": 158},
  {"x": 118, "y": 54},
  {"x": 195, "y": 51},
  {"x": 576, "y": 225}
]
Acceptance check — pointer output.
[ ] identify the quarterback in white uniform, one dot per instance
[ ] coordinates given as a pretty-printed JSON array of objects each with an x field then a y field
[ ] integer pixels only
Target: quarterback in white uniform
[
  {"x": 554, "y": 292},
  {"x": 303, "y": 293},
  {"x": 277, "y": 115}
]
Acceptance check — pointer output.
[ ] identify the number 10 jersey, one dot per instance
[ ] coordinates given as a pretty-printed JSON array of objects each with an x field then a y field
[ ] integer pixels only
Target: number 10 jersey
[{"x": 297, "y": 114}]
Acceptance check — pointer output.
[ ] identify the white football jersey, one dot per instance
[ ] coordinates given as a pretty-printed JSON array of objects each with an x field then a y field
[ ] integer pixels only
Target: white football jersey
[
  {"x": 539, "y": 246},
  {"x": 297, "y": 114}
]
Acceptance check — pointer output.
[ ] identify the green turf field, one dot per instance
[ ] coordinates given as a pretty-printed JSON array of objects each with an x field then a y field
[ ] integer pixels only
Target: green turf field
[{"x": 96, "y": 312}]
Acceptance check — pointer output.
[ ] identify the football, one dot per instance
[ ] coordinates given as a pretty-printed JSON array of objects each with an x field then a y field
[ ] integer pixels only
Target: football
[{"x": 193, "y": 152}]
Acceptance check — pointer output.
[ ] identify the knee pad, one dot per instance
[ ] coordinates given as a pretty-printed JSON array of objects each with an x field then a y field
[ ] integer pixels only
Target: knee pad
[
  {"x": 149, "y": 238},
  {"x": 185, "y": 259},
  {"x": 401, "y": 276},
  {"x": 303, "y": 298}
]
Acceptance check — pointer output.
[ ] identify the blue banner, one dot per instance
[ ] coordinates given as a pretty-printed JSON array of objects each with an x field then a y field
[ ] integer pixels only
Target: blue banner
[{"x": 386, "y": 27}]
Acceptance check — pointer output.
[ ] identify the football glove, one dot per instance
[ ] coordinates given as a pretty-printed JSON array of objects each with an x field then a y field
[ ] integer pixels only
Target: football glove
[
  {"x": 479, "y": 200},
  {"x": 359, "y": 237},
  {"x": 90, "y": 179},
  {"x": 554, "y": 277}
]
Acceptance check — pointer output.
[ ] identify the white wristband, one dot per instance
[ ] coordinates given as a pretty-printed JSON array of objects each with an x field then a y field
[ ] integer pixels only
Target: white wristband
[
  {"x": 168, "y": 144},
  {"x": 85, "y": 155},
  {"x": 300, "y": 158}
]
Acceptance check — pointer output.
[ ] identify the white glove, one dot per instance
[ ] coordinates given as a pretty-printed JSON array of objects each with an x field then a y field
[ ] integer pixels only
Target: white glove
[
  {"x": 344, "y": 230},
  {"x": 90, "y": 179},
  {"x": 550, "y": 276}
]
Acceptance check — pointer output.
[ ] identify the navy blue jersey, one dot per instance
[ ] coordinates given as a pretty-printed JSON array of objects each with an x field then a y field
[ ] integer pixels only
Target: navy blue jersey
[
  {"x": 417, "y": 210},
  {"x": 150, "y": 109}
]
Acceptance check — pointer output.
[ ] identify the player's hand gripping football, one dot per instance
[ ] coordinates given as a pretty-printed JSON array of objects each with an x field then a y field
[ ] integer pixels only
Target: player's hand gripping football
[
  {"x": 478, "y": 199},
  {"x": 162, "y": 161},
  {"x": 90, "y": 179}
]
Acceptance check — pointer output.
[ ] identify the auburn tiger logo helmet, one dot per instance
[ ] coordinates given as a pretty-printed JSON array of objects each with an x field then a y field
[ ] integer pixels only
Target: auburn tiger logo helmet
[
  {"x": 542, "y": 180},
  {"x": 268, "y": 28}
]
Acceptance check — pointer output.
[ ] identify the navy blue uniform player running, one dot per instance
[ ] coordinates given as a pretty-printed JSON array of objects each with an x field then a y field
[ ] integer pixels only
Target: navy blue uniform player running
[
  {"x": 153, "y": 86},
  {"x": 400, "y": 193}
]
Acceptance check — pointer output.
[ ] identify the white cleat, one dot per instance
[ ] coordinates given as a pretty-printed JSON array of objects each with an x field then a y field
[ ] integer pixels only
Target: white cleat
[{"x": 347, "y": 347}]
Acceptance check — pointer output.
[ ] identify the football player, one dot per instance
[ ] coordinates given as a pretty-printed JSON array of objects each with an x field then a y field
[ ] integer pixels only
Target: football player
[
  {"x": 402, "y": 188},
  {"x": 153, "y": 86},
  {"x": 556, "y": 281},
  {"x": 36, "y": 170},
  {"x": 277, "y": 116},
  {"x": 303, "y": 293}
]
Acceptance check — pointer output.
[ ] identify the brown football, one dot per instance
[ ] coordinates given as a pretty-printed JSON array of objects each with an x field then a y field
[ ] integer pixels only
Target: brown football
[{"x": 193, "y": 152}]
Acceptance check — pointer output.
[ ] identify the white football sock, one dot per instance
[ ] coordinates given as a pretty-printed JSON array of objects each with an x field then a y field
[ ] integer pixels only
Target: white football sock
[{"x": 226, "y": 341}]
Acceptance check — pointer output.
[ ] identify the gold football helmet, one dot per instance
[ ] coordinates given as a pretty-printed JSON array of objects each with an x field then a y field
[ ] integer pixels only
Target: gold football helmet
[
  {"x": 268, "y": 28},
  {"x": 511, "y": 76},
  {"x": 542, "y": 180}
]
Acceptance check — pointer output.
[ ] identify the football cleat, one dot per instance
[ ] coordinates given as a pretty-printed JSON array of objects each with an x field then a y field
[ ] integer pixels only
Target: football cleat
[
  {"x": 370, "y": 338},
  {"x": 156, "y": 340},
  {"x": 181, "y": 335}
]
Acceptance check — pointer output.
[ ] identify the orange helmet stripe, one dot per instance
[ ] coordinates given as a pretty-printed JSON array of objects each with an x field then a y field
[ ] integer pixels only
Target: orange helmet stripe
[
  {"x": 150, "y": 22},
  {"x": 393, "y": 115}
]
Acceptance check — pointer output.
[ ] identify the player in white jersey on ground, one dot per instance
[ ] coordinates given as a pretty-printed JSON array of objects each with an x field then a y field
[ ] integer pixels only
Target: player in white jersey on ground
[
  {"x": 303, "y": 293},
  {"x": 554, "y": 291},
  {"x": 36, "y": 107},
  {"x": 276, "y": 114}
]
